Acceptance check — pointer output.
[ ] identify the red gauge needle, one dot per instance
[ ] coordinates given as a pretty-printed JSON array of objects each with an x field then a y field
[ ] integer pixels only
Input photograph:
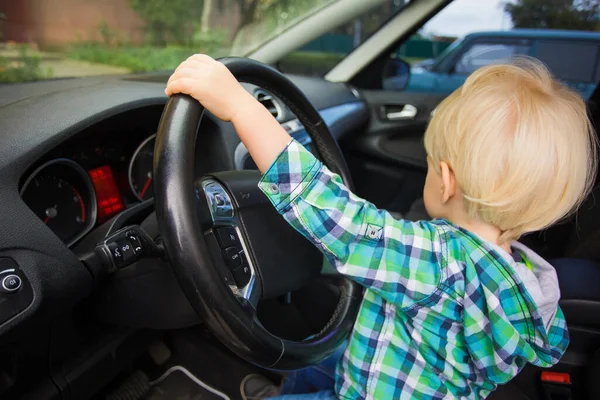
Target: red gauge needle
[
  {"x": 46, "y": 220},
  {"x": 146, "y": 186}
]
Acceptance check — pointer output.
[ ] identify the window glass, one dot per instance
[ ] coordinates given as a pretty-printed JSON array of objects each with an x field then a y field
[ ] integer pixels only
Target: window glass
[
  {"x": 482, "y": 54},
  {"x": 46, "y": 39},
  {"x": 470, "y": 34},
  {"x": 319, "y": 56},
  {"x": 570, "y": 61}
]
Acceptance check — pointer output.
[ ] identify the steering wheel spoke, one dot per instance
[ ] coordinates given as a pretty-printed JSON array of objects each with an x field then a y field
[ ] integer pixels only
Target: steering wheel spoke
[{"x": 231, "y": 245}]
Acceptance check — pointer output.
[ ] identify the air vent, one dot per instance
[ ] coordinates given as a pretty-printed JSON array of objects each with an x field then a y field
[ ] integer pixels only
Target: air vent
[{"x": 266, "y": 99}]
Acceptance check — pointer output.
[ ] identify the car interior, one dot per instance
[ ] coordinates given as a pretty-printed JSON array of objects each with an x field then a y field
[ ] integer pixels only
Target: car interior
[{"x": 139, "y": 260}]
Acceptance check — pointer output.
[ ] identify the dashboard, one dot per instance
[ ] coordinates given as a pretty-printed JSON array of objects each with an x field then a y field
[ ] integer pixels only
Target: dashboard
[
  {"x": 107, "y": 168},
  {"x": 76, "y": 157}
]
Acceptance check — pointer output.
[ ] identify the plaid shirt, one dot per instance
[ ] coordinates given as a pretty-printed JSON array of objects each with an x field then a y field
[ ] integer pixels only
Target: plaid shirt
[{"x": 444, "y": 315}]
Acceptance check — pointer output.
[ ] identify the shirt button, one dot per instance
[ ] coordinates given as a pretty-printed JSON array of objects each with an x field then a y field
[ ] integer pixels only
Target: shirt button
[{"x": 274, "y": 188}]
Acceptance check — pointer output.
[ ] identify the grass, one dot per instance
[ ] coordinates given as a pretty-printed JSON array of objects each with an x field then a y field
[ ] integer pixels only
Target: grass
[
  {"x": 21, "y": 65},
  {"x": 135, "y": 59}
]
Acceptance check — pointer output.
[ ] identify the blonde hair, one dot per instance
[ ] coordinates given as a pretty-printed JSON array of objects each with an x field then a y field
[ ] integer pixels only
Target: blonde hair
[{"x": 520, "y": 144}]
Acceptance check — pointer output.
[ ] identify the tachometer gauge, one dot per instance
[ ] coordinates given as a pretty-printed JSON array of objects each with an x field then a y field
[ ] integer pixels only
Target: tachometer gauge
[
  {"x": 62, "y": 196},
  {"x": 140, "y": 170}
]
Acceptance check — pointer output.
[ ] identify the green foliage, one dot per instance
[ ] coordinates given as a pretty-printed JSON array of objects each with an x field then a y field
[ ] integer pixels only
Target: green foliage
[
  {"x": 248, "y": 10},
  {"x": 168, "y": 20},
  {"x": 136, "y": 59},
  {"x": 147, "y": 58},
  {"x": 24, "y": 67},
  {"x": 210, "y": 42},
  {"x": 555, "y": 14}
]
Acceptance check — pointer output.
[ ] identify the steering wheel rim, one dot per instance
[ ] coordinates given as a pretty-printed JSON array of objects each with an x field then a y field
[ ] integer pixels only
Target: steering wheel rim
[{"x": 235, "y": 323}]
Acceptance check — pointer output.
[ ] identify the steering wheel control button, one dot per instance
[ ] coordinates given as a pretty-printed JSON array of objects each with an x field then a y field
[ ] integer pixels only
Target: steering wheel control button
[
  {"x": 242, "y": 275},
  {"x": 219, "y": 201},
  {"x": 274, "y": 188},
  {"x": 233, "y": 257},
  {"x": 228, "y": 237},
  {"x": 11, "y": 283}
]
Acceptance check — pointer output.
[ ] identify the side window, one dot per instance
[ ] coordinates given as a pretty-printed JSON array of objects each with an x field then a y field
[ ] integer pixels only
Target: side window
[
  {"x": 569, "y": 61},
  {"x": 482, "y": 54},
  {"x": 470, "y": 34}
]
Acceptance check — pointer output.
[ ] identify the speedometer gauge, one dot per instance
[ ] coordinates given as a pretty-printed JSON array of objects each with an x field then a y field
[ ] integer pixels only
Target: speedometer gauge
[
  {"x": 61, "y": 195},
  {"x": 58, "y": 204},
  {"x": 140, "y": 170}
]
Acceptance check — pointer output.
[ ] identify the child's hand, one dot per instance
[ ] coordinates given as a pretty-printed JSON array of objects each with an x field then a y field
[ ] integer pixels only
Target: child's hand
[
  {"x": 215, "y": 87},
  {"x": 212, "y": 84}
]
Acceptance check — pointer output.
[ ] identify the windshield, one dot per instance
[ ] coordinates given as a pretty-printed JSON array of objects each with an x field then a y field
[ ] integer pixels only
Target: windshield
[{"x": 48, "y": 40}]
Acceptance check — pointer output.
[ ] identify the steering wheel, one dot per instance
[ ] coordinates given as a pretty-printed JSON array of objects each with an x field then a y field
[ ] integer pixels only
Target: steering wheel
[{"x": 227, "y": 245}]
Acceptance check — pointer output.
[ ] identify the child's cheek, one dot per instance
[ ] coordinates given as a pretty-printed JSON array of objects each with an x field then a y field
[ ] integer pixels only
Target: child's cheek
[
  {"x": 430, "y": 205},
  {"x": 431, "y": 195}
]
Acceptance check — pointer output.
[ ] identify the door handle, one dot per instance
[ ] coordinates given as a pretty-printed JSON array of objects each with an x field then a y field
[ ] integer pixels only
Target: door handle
[{"x": 401, "y": 112}]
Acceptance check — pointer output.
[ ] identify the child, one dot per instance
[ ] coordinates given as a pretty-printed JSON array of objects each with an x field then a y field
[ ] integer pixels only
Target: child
[{"x": 455, "y": 306}]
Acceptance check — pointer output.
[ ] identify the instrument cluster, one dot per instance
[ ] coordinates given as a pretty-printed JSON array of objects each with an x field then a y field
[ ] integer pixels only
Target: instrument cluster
[{"x": 86, "y": 182}]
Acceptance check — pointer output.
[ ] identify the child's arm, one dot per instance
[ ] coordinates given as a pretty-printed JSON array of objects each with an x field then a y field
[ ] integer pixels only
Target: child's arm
[{"x": 398, "y": 259}]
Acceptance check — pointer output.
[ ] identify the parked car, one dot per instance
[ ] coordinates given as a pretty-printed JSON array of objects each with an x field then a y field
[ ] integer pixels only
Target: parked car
[{"x": 570, "y": 55}]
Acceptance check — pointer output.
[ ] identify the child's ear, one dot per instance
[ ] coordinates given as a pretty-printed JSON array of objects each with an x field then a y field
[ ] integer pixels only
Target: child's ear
[{"x": 448, "y": 189}]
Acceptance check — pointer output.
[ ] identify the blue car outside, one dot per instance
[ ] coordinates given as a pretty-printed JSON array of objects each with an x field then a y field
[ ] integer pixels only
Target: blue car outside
[{"x": 570, "y": 55}]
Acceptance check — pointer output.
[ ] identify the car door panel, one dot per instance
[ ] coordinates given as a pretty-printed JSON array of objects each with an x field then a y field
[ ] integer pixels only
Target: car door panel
[
  {"x": 397, "y": 140},
  {"x": 388, "y": 160}
]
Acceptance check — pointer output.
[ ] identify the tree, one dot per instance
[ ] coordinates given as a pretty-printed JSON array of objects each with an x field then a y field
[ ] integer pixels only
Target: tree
[
  {"x": 206, "y": 13},
  {"x": 250, "y": 10},
  {"x": 168, "y": 19},
  {"x": 555, "y": 14},
  {"x": 247, "y": 12}
]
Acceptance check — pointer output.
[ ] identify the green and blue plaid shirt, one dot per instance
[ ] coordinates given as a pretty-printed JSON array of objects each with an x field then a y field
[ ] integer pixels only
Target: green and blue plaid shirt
[{"x": 444, "y": 314}]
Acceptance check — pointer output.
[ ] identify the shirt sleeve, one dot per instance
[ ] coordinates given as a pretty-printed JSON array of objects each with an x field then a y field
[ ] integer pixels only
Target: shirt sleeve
[{"x": 398, "y": 259}]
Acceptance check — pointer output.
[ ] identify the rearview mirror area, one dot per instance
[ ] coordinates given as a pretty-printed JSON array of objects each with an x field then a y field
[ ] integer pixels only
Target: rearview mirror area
[{"x": 396, "y": 74}]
